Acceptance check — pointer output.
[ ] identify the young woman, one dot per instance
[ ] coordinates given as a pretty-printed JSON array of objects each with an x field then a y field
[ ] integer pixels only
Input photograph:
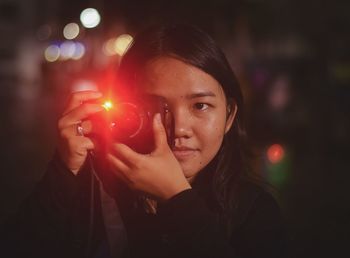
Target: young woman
[{"x": 190, "y": 198}]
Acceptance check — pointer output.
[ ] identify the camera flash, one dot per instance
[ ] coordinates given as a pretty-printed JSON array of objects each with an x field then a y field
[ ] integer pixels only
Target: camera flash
[{"x": 108, "y": 105}]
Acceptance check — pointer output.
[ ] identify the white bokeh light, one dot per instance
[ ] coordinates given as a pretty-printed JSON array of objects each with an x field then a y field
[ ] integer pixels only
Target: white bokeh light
[
  {"x": 71, "y": 30},
  {"x": 79, "y": 51},
  {"x": 67, "y": 49},
  {"x": 122, "y": 43},
  {"x": 117, "y": 46},
  {"x": 52, "y": 53},
  {"x": 90, "y": 18}
]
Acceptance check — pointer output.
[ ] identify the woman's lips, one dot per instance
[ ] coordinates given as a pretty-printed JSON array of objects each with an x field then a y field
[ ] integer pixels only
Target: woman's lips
[{"x": 183, "y": 152}]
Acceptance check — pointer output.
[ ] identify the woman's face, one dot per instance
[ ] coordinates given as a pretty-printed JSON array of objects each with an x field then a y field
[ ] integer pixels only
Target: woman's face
[{"x": 198, "y": 106}]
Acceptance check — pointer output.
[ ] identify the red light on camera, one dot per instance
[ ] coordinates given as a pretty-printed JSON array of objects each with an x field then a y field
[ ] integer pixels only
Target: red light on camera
[{"x": 107, "y": 105}]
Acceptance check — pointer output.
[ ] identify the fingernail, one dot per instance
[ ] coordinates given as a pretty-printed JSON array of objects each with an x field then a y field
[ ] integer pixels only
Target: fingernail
[{"x": 158, "y": 118}]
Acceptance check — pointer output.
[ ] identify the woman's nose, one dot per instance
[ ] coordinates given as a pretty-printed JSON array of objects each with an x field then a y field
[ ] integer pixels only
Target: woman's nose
[{"x": 182, "y": 124}]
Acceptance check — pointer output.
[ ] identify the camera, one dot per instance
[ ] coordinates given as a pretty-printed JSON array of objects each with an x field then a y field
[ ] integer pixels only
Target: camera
[{"x": 129, "y": 120}]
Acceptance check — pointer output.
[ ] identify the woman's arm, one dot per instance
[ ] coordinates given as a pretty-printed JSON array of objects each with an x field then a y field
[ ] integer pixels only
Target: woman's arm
[
  {"x": 262, "y": 229},
  {"x": 45, "y": 223}
]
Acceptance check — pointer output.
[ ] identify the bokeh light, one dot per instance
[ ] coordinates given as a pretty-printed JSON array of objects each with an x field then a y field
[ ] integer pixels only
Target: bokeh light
[
  {"x": 275, "y": 153},
  {"x": 108, "y": 47},
  {"x": 90, "y": 18},
  {"x": 68, "y": 49},
  {"x": 79, "y": 51},
  {"x": 117, "y": 46},
  {"x": 122, "y": 43},
  {"x": 71, "y": 30},
  {"x": 52, "y": 53},
  {"x": 278, "y": 165}
]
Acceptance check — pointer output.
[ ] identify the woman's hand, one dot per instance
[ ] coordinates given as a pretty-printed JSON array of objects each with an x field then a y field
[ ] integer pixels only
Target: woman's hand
[
  {"x": 72, "y": 147},
  {"x": 158, "y": 173}
]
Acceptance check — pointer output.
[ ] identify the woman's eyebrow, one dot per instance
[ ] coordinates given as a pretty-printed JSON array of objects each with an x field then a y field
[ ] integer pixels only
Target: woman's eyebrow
[
  {"x": 188, "y": 96},
  {"x": 201, "y": 94}
]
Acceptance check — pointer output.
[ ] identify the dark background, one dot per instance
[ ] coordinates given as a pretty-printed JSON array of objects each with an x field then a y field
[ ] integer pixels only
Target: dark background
[{"x": 291, "y": 57}]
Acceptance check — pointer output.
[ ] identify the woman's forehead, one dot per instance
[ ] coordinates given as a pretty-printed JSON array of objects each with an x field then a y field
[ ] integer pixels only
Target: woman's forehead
[{"x": 168, "y": 76}]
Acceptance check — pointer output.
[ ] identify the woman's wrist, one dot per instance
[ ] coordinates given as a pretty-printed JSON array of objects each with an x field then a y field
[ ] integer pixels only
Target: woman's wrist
[{"x": 176, "y": 189}]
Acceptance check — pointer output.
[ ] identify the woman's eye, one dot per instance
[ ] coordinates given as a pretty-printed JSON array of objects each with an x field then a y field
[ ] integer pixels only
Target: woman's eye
[{"x": 201, "y": 106}]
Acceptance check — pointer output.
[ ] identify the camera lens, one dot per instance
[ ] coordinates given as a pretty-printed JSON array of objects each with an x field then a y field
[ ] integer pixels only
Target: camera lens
[{"x": 127, "y": 122}]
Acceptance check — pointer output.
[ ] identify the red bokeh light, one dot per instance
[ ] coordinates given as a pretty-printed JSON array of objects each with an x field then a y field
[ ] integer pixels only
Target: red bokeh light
[{"x": 275, "y": 153}]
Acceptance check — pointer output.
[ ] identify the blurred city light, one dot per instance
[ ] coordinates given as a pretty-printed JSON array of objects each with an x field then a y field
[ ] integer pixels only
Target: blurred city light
[
  {"x": 68, "y": 49},
  {"x": 280, "y": 93},
  {"x": 275, "y": 153},
  {"x": 79, "y": 51},
  {"x": 52, "y": 53},
  {"x": 117, "y": 46},
  {"x": 71, "y": 30},
  {"x": 122, "y": 43},
  {"x": 278, "y": 165},
  {"x": 90, "y": 18},
  {"x": 108, "y": 47}
]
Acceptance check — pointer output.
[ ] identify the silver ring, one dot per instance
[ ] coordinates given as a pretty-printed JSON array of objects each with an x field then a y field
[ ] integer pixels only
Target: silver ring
[{"x": 80, "y": 130}]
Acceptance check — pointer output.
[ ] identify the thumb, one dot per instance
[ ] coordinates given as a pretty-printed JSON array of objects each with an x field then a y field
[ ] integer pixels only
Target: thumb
[{"x": 160, "y": 138}]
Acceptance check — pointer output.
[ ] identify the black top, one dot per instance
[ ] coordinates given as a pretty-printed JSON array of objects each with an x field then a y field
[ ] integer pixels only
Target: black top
[{"x": 54, "y": 222}]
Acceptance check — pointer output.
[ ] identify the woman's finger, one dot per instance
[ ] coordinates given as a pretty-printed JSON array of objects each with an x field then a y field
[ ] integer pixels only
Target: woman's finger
[
  {"x": 77, "y": 98},
  {"x": 87, "y": 127},
  {"x": 81, "y": 144},
  {"x": 78, "y": 114},
  {"x": 127, "y": 155},
  {"x": 160, "y": 138},
  {"x": 73, "y": 130}
]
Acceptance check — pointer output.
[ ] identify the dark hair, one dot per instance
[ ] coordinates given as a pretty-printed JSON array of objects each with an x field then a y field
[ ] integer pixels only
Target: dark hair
[{"x": 193, "y": 46}]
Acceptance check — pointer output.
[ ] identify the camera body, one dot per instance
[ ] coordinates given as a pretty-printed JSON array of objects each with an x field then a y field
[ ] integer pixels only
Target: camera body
[{"x": 129, "y": 120}]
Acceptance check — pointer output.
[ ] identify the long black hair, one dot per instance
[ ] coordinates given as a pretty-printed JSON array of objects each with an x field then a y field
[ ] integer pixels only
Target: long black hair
[{"x": 193, "y": 46}]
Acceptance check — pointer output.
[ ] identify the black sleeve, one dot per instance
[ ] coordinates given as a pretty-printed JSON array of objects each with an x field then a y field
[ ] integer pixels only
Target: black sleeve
[
  {"x": 262, "y": 232},
  {"x": 197, "y": 231},
  {"x": 42, "y": 226}
]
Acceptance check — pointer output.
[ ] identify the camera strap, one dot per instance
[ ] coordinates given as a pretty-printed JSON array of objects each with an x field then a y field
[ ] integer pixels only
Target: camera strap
[
  {"x": 114, "y": 226},
  {"x": 115, "y": 230}
]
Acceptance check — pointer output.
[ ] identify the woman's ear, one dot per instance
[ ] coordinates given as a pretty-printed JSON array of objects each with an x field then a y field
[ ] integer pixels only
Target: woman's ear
[{"x": 231, "y": 116}]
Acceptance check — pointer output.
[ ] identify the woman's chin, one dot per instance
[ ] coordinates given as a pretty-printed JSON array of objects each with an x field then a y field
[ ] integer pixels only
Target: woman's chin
[{"x": 189, "y": 173}]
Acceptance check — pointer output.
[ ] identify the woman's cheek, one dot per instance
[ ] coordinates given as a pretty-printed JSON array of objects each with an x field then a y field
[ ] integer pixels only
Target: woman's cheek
[
  {"x": 214, "y": 123},
  {"x": 212, "y": 132}
]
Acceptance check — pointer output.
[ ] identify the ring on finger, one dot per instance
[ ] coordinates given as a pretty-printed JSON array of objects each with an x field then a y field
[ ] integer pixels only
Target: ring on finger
[{"x": 80, "y": 130}]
